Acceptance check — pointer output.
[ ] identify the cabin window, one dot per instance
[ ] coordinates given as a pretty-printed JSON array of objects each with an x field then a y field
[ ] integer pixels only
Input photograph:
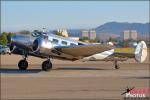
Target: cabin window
[
  {"x": 72, "y": 44},
  {"x": 55, "y": 41},
  {"x": 64, "y": 42}
]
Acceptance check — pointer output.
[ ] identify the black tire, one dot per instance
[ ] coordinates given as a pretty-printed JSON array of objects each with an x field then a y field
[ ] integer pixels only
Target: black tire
[
  {"x": 23, "y": 64},
  {"x": 117, "y": 67},
  {"x": 46, "y": 65}
]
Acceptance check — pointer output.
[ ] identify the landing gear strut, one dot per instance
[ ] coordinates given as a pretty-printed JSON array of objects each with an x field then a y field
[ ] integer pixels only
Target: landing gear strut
[
  {"x": 116, "y": 65},
  {"x": 23, "y": 64},
  {"x": 47, "y": 65}
]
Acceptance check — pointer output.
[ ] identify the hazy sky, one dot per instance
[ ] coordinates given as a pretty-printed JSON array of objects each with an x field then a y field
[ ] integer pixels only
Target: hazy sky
[{"x": 30, "y": 15}]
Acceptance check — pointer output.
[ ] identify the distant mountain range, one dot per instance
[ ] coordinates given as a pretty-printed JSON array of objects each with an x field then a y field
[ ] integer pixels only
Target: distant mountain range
[{"x": 116, "y": 28}]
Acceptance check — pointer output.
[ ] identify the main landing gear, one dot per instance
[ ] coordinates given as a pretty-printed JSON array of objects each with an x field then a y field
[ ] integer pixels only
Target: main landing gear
[
  {"x": 23, "y": 64},
  {"x": 116, "y": 64},
  {"x": 47, "y": 65}
]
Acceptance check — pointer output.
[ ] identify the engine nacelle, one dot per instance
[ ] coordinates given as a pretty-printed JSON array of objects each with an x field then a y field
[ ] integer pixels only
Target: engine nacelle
[
  {"x": 21, "y": 41},
  {"x": 42, "y": 46}
]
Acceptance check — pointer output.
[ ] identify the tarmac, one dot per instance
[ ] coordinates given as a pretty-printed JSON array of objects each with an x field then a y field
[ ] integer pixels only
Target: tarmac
[{"x": 71, "y": 80}]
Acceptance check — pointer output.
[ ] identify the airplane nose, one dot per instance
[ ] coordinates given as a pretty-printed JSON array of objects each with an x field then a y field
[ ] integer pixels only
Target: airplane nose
[
  {"x": 20, "y": 39},
  {"x": 11, "y": 45},
  {"x": 13, "y": 40},
  {"x": 16, "y": 39}
]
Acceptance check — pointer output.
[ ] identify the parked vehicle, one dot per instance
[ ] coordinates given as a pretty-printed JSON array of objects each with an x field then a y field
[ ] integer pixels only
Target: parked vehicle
[{"x": 4, "y": 50}]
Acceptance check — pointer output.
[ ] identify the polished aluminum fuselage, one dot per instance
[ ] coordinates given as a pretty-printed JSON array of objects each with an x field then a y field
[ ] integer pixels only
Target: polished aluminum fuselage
[
  {"x": 24, "y": 44},
  {"x": 44, "y": 46}
]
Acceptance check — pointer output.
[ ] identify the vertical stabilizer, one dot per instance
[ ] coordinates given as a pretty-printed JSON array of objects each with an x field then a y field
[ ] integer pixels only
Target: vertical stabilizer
[{"x": 141, "y": 52}]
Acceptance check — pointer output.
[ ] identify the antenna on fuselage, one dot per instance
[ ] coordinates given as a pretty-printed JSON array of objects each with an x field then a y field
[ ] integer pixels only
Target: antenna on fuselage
[
  {"x": 43, "y": 30},
  {"x": 44, "y": 33}
]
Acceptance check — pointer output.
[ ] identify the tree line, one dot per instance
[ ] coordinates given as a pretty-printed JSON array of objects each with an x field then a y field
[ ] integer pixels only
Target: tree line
[{"x": 5, "y": 38}]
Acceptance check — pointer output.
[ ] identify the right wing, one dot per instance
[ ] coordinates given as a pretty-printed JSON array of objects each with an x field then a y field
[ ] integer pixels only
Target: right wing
[{"x": 84, "y": 50}]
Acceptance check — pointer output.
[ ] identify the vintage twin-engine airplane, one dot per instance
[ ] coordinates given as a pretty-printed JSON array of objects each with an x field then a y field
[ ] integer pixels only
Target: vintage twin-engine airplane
[{"x": 44, "y": 45}]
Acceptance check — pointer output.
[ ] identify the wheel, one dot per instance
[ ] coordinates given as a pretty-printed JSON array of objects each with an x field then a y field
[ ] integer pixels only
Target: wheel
[
  {"x": 23, "y": 64},
  {"x": 116, "y": 64},
  {"x": 46, "y": 65},
  {"x": 117, "y": 67}
]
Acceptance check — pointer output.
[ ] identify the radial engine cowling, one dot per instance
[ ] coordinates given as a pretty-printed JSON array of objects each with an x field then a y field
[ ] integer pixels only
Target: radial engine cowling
[{"x": 42, "y": 46}]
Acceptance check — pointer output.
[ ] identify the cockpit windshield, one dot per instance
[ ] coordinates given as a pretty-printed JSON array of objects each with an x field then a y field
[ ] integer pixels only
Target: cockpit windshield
[{"x": 37, "y": 33}]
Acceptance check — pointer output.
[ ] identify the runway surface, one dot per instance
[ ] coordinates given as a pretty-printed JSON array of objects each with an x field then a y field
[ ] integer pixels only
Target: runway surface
[{"x": 71, "y": 80}]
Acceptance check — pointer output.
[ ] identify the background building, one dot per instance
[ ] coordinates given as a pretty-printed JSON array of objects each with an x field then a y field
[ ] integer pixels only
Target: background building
[
  {"x": 92, "y": 34},
  {"x": 133, "y": 35},
  {"x": 126, "y": 35},
  {"x": 84, "y": 33},
  {"x": 63, "y": 32},
  {"x": 129, "y": 34}
]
